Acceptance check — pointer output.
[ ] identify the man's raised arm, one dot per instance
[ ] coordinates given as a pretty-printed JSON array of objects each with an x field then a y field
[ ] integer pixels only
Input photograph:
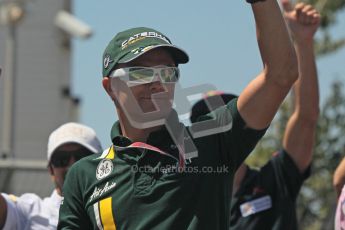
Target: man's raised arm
[
  {"x": 260, "y": 100},
  {"x": 303, "y": 21}
]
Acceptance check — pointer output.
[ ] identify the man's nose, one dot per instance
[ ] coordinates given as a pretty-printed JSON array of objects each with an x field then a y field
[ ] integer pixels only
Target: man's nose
[{"x": 156, "y": 85}]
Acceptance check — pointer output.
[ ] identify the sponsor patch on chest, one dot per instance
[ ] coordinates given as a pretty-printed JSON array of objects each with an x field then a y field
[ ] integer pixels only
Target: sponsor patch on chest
[
  {"x": 256, "y": 205},
  {"x": 100, "y": 191},
  {"x": 104, "y": 168}
]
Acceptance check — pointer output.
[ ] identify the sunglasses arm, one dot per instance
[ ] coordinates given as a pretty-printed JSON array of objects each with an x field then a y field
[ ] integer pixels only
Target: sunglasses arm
[{"x": 119, "y": 73}]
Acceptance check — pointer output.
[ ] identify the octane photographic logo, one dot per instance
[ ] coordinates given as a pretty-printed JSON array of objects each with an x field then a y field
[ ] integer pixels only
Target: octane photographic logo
[{"x": 179, "y": 133}]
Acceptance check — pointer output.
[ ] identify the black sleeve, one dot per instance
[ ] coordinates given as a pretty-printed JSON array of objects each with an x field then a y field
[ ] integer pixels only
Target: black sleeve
[
  {"x": 244, "y": 138},
  {"x": 234, "y": 139},
  {"x": 288, "y": 178}
]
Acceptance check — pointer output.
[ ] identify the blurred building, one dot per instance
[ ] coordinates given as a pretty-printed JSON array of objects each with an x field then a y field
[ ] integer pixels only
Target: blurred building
[{"x": 42, "y": 97}]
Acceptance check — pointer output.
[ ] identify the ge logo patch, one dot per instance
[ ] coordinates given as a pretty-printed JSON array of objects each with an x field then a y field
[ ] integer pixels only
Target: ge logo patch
[
  {"x": 104, "y": 168},
  {"x": 107, "y": 61}
]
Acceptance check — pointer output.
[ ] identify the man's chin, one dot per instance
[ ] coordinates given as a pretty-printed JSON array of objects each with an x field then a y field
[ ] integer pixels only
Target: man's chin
[{"x": 149, "y": 118}]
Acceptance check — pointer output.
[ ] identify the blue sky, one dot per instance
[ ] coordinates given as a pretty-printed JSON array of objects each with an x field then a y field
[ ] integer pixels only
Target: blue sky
[{"x": 219, "y": 37}]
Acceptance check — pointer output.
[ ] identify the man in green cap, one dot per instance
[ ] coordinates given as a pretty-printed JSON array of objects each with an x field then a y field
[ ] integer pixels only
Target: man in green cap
[{"x": 152, "y": 177}]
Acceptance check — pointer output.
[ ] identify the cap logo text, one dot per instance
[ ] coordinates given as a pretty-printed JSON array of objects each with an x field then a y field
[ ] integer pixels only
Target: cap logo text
[{"x": 143, "y": 35}]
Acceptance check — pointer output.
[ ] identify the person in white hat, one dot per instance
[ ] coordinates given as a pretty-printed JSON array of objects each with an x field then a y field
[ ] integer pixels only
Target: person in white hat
[{"x": 66, "y": 145}]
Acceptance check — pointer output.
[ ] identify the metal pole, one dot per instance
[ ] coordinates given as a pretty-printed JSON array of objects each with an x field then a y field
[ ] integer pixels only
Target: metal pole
[
  {"x": 23, "y": 164},
  {"x": 9, "y": 93}
]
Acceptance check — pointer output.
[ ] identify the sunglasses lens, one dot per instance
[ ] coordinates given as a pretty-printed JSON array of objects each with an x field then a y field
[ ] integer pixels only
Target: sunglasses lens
[
  {"x": 141, "y": 75},
  {"x": 63, "y": 158},
  {"x": 60, "y": 159},
  {"x": 169, "y": 75}
]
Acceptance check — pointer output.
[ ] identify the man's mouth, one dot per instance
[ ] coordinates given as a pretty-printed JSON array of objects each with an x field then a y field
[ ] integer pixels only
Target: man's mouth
[{"x": 154, "y": 98}]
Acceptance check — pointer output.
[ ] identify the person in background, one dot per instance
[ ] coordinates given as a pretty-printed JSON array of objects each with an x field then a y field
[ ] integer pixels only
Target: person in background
[
  {"x": 66, "y": 145},
  {"x": 339, "y": 186},
  {"x": 266, "y": 198},
  {"x": 339, "y": 178}
]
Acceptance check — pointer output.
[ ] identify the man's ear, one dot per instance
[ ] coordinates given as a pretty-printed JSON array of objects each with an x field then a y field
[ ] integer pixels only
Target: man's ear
[
  {"x": 106, "y": 85},
  {"x": 106, "y": 82}
]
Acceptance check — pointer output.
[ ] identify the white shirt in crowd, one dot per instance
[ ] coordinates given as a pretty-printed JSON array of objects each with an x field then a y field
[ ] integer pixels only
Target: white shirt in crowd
[{"x": 30, "y": 212}]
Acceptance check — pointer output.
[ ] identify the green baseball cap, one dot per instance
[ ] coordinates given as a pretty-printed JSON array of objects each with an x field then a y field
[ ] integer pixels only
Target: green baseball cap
[{"x": 130, "y": 44}]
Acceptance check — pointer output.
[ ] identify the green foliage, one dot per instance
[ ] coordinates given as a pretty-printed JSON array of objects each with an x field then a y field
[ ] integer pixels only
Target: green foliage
[{"x": 327, "y": 45}]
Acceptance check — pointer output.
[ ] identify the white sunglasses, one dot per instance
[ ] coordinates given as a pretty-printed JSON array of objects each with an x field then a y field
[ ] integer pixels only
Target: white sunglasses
[{"x": 143, "y": 75}]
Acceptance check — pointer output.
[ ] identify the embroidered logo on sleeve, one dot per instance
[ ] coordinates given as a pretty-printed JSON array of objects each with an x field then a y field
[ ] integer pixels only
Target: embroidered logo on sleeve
[{"x": 255, "y": 206}]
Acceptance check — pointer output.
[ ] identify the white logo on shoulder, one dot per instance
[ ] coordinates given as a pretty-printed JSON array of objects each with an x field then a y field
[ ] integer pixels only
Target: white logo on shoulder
[
  {"x": 104, "y": 168},
  {"x": 100, "y": 191}
]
